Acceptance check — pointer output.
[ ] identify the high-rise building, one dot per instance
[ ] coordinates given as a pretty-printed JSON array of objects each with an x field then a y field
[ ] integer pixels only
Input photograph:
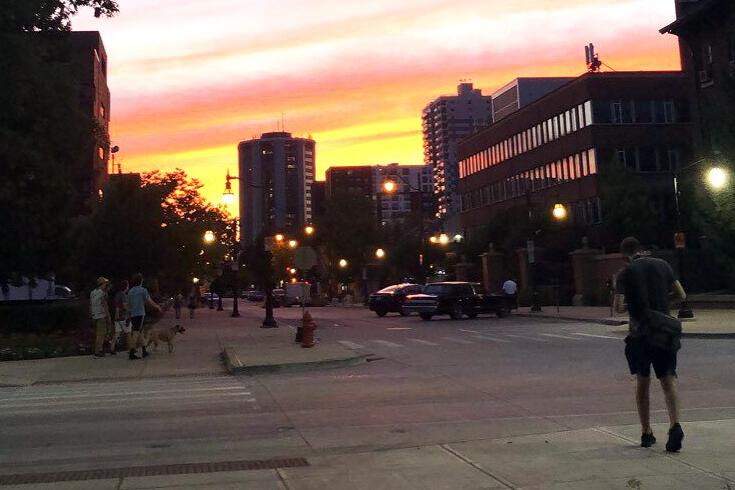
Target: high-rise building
[
  {"x": 521, "y": 92},
  {"x": 276, "y": 173},
  {"x": 446, "y": 121}
]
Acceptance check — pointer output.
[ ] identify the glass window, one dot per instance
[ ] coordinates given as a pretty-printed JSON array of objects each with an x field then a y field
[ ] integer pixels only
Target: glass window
[
  {"x": 616, "y": 112},
  {"x": 647, "y": 159},
  {"x": 580, "y": 116},
  {"x": 573, "y": 117},
  {"x": 592, "y": 160},
  {"x": 588, "y": 119},
  {"x": 578, "y": 165},
  {"x": 568, "y": 121},
  {"x": 669, "y": 115},
  {"x": 643, "y": 112},
  {"x": 585, "y": 163}
]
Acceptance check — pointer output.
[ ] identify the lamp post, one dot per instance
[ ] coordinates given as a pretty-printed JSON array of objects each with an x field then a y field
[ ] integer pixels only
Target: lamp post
[
  {"x": 716, "y": 178},
  {"x": 389, "y": 186}
]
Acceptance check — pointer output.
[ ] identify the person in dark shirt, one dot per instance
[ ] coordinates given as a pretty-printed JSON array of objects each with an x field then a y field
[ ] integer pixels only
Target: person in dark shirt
[{"x": 648, "y": 283}]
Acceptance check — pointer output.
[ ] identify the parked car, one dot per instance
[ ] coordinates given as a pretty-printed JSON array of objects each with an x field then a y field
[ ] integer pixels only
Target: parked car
[
  {"x": 391, "y": 299},
  {"x": 456, "y": 299},
  {"x": 255, "y": 295}
]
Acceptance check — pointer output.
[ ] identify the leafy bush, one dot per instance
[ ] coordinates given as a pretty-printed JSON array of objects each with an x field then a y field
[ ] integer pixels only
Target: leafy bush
[{"x": 31, "y": 317}]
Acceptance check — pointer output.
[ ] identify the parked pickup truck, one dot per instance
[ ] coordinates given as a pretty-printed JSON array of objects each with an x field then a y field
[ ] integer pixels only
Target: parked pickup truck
[{"x": 456, "y": 299}]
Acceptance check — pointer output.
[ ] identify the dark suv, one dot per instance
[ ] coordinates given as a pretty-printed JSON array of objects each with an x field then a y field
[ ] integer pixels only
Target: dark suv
[
  {"x": 391, "y": 299},
  {"x": 455, "y": 299}
]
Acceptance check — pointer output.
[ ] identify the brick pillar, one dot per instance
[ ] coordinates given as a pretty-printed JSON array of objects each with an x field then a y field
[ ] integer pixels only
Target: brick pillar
[
  {"x": 585, "y": 277},
  {"x": 493, "y": 270}
]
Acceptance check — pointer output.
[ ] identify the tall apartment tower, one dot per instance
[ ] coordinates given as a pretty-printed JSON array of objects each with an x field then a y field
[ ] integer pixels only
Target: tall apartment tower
[
  {"x": 276, "y": 174},
  {"x": 446, "y": 121}
]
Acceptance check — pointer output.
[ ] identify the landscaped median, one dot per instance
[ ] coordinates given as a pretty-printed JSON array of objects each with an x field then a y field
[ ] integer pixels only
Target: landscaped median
[{"x": 258, "y": 350}]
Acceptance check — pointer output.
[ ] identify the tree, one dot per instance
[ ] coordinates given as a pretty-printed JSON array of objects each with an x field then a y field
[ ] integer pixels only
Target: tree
[{"x": 42, "y": 132}]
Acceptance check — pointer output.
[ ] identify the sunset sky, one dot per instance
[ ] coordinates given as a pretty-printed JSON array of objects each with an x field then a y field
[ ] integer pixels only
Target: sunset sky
[{"x": 192, "y": 78}]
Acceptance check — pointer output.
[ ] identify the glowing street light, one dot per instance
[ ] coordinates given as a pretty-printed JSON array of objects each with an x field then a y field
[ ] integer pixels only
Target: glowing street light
[
  {"x": 389, "y": 186},
  {"x": 342, "y": 263},
  {"x": 279, "y": 237},
  {"x": 292, "y": 270},
  {"x": 559, "y": 212},
  {"x": 380, "y": 253},
  {"x": 717, "y": 178},
  {"x": 433, "y": 239},
  {"x": 443, "y": 239},
  {"x": 293, "y": 244},
  {"x": 458, "y": 238},
  {"x": 309, "y": 230},
  {"x": 195, "y": 280},
  {"x": 209, "y": 236}
]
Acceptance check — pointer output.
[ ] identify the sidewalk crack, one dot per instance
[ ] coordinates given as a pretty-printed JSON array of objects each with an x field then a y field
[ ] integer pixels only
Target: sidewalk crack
[{"x": 476, "y": 466}]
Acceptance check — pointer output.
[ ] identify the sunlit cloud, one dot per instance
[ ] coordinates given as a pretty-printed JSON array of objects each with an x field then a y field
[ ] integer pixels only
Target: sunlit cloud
[{"x": 190, "y": 79}]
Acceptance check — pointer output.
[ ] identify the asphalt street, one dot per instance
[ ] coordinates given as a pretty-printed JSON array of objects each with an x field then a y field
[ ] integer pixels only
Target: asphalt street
[{"x": 433, "y": 382}]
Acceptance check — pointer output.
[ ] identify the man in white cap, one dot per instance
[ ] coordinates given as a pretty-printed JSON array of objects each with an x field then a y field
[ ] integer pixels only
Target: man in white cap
[{"x": 100, "y": 313}]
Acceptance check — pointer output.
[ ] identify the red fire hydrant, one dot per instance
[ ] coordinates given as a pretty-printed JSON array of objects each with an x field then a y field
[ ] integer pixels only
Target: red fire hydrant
[{"x": 308, "y": 327}]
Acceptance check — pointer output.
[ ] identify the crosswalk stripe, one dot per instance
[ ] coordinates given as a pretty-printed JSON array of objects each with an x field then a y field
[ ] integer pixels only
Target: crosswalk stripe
[
  {"x": 468, "y": 331},
  {"x": 596, "y": 336},
  {"x": 119, "y": 394},
  {"x": 560, "y": 336},
  {"x": 458, "y": 341},
  {"x": 188, "y": 404},
  {"x": 350, "y": 345},
  {"x": 124, "y": 400},
  {"x": 399, "y": 328},
  {"x": 423, "y": 342},
  {"x": 493, "y": 339},
  {"x": 534, "y": 339},
  {"x": 387, "y": 343}
]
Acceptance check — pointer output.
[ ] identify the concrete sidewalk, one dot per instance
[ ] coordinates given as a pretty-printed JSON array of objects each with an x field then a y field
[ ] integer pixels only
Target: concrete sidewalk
[
  {"x": 707, "y": 323},
  {"x": 264, "y": 350},
  {"x": 199, "y": 351},
  {"x": 600, "y": 457}
]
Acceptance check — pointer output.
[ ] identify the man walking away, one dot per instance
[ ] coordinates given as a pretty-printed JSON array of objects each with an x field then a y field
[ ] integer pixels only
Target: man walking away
[
  {"x": 646, "y": 287},
  {"x": 178, "y": 303},
  {"x": 138, "y": 298},
  {"x": 122, "y": 317},
  {"x": 193, "y": 300},
  {"x": 100, "y": 315},
  {"x": 510, "y": 288}
]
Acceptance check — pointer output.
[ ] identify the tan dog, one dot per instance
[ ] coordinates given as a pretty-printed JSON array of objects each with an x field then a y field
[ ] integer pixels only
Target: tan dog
[{"x": 159, "y": 335}]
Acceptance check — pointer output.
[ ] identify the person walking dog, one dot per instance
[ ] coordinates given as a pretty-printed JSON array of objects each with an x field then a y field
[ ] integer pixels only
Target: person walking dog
[
  {"x": 138, "y": 298},
  {"x": 645, "y": 288}
]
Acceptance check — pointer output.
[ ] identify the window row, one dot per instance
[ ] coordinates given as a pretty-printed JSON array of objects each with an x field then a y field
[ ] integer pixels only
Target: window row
[
  {"x": 587, "y": 212},
  {"x": 553, "y": 128},
  {"x": 639, "y": 111},
  {"x": 564, "y": 170}
]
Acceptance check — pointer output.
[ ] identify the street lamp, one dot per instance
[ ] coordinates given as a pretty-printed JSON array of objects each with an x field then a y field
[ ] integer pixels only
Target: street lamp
[
  {"x": 443, "y": 239},
  {"x": 559, "y": 212},
  {"x": 342, "y": 263},
  {"x": 195, "y": 280},
  {"x": 293, "y": 244},
  {"x": 389, "y": 186},
  {"x": 209, "y": 236},
  {"x": 228, "y": 197},
  {"x": 309, "y": 230},
  {"x": 380, "y": 253},
  {"x": 717, "y": 178}
]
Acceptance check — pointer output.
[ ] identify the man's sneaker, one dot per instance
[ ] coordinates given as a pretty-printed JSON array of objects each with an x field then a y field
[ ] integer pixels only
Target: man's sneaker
[
  {"x": 676, "y": 435},
  {"x": 647, "y": 440},
  {"x": 132, "y": 355}
]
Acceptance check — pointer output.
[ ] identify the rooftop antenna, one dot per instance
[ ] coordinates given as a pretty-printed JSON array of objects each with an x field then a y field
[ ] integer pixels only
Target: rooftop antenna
[
  {"x": 283, "y": 125},
  {"x": 592, "y": 59}
]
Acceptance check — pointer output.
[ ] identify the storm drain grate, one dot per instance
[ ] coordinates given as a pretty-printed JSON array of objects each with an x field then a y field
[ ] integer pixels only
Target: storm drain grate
[{"x": 168, "y": 469}]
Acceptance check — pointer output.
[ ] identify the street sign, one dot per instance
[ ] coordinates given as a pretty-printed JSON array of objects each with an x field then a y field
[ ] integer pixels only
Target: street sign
[
  {"x": 304, "y": 258},
  {"x": 680, "y": 240}
]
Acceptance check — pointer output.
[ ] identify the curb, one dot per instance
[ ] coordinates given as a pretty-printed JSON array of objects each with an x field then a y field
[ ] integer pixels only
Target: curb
[
  {"x": 235, "y": 366},
  {"x": 599, "y": 321}
]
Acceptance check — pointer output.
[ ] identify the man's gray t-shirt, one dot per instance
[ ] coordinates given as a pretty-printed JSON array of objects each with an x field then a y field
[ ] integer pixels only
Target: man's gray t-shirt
[
  {"x": 137, "y": 297},
  {"x": 646, "y": 283}
]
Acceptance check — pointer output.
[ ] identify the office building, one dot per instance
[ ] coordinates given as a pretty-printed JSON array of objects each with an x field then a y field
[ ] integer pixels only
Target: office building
[
  {"x": 413, "y": 192},
  {"x": 446, "y": 121},
  {"x": 356, "y": 179},
  {"x": 521, "y": 92},
  {"x": 553, "y": 150},
  {"x": 276, "y": 174}
]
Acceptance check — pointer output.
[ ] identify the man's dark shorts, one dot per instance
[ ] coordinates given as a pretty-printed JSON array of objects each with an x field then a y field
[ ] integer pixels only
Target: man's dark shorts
[
  {"x": 136, "y": 323},
  {"x": 641, "y": 355}
]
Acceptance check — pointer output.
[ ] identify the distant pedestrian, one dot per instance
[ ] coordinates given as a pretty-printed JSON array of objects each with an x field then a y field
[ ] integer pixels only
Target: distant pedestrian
[
  {"x": 192, "y": 301},
  {"x": 178, "y": 304},
  {"x": 510, "y": 289},
  {"x": 122, "y": 318},
  {"x": 138, "y": 298},
  {"x": 100, "y": 312},
  {"x": 645, "y": 288}
]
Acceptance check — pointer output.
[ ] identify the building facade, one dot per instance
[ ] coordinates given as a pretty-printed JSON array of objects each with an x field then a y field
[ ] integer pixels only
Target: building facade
[
  {"x": 413, "y": 193},
  {"x": 521, "y": 92},
  {"x": 706, "y": 31},
  {"x": 352, "y": 179},
  {"x": 553, "y": 150},
  {"x": 276, "y": 174},
  {"x": 446, "y": 121}
]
